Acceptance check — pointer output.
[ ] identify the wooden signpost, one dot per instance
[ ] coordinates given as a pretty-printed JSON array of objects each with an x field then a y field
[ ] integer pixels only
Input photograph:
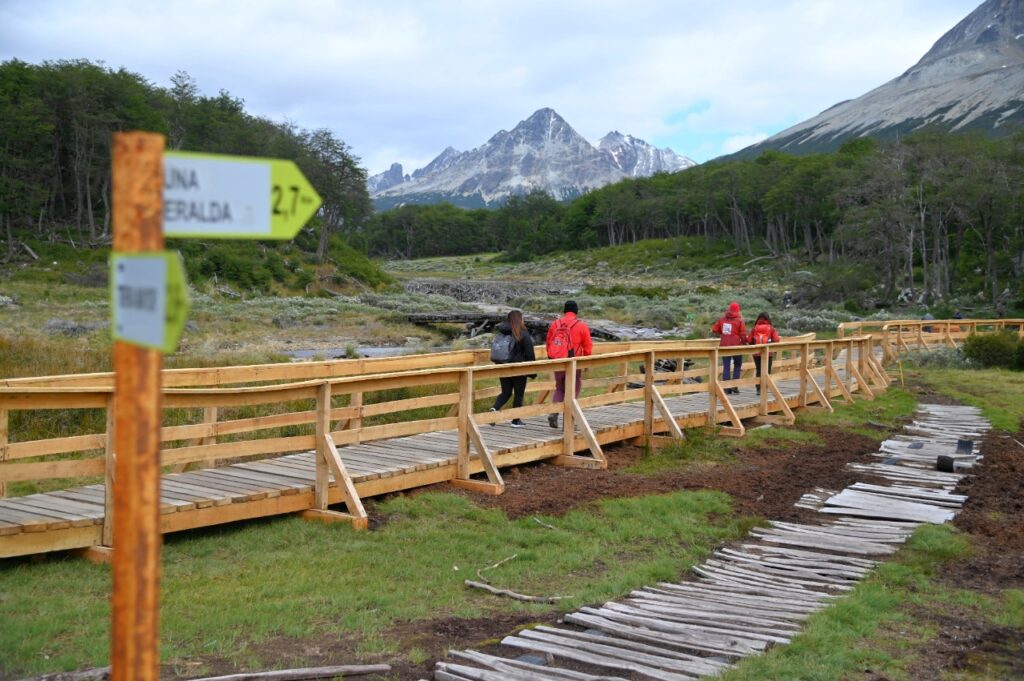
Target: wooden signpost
[{"x": 183, "y": 195}]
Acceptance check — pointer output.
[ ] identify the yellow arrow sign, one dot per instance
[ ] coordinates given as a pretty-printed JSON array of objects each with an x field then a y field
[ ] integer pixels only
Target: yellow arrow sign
[
  {"x": 235, "y": 197},
  {"x": 148, "y": 298}
]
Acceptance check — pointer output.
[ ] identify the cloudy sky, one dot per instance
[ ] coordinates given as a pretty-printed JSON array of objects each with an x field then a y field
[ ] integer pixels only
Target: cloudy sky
[{"x": 399, "y": 80}]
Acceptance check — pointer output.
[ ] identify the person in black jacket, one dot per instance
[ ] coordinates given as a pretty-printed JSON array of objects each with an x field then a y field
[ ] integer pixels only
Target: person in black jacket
[{"x": 522, "y": 351}]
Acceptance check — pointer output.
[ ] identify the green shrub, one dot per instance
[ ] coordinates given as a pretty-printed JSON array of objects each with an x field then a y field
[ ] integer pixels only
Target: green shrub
[{"x": 994, "y": 350}]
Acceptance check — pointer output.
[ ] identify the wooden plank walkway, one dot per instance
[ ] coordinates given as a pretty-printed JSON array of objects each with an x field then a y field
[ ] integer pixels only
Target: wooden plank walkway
[
  {"x": 746, "y": 598},
  {"x": 74, "y": 518}
]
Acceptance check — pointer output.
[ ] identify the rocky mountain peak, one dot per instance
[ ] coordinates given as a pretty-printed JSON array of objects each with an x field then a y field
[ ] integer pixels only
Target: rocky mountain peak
[
  {"x": 971, "y": 79},
  {"x": 995, "y": 26},
  {"x": 541, "y": 152}
]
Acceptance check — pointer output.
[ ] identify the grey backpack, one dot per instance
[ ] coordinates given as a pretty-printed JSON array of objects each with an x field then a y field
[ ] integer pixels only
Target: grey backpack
[{"x": 501, "y": 348}]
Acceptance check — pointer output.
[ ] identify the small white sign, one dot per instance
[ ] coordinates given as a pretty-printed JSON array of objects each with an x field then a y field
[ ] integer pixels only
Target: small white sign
[
  {"x": 205, "y": 195},
  {"x": 140, "y": 299}
]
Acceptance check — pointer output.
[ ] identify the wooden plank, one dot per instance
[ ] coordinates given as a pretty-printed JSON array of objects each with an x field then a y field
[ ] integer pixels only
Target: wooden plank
[
  {"x": 541, "y": 672},
  {"x": 622, "y": 627},
  {"x": 593, "y": 658},
  {"x": 57, "y": 445},
  {"x": 47, "y": 470},
  {"x": 54, "y": 519},
  {"x": 72, "y": 508},
  {"x": 594, "y": 644},
  {"x": 700, "y": 665},
  {"x": 344, "y": 484}
]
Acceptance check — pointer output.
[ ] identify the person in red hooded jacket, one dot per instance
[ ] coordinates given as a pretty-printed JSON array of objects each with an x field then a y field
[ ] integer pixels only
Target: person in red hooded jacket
[
  {"x": 763, "y": 332},
  {"x": 732, "y": 332}
]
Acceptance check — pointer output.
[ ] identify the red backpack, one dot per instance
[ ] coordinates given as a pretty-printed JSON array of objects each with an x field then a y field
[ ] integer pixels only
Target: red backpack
[
  {"x": 561, "y": 340},
  {"x": 763, "y": 336}
]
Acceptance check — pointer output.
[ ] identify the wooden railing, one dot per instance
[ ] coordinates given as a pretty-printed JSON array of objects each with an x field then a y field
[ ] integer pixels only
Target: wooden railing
[
  {"x": 905, "y": 335},
  {"x": 451, "y": 393}
]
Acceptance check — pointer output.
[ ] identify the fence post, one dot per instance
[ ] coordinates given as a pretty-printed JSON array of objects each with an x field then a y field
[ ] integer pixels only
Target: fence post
[
  {"x": 3, "y": 447},
  {"x": 762, "y": 387},
  {"x": 713, "y": 388},
  {"x": 805, "y": 350},
  {"x": 849, "y": 367},
  {"x": 465, "y": 409},
  {"x": 323, "y": 431},
  {"x": 568, "y": 425},
  {"x": 648, "y": 395},
  {"x": 210, "y": 415},
  {"x": 828, "y": 371},
  {"x": 356, "y": 400},
  {"x": 109, "y": 465}
]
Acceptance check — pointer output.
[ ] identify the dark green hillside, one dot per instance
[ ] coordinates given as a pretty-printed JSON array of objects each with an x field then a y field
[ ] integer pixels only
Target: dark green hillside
[{"x": 56, "y": 124}]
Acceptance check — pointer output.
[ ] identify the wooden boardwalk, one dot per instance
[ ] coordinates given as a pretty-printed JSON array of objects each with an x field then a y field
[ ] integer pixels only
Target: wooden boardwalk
[
  {"x": 74, "y": 517},
  {"x": 439, "y": 429}
]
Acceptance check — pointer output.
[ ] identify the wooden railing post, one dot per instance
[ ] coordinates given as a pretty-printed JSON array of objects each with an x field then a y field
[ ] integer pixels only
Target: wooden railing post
[
  {"x": 713, "y": 388},
  {"x": 827, "y": 383},
  {"x": 805, "y": 350},
  {"x": 849, "y": 367},
  {"x": 109, "y": 466},
  {"x": 465, "y": 410},
  {"x": 648, "y": 395},
  {"x": 4, "y": 437},
  {"x": 762, "y": 387},
  {"x": 323, "y": 431},
  {"x": 355, "y": 400},
  {"x": 568, "y": 424}
]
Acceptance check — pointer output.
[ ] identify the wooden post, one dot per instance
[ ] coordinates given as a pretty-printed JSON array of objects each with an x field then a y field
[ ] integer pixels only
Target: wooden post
[
  {"x": 321, "y": 488},
  {"x": 827, "y": 383},
  {"x": 209, "y": 417},
  {"x": 763, "y": 387},
  {"x": 109, "y": 464},
  {"x": 648, "y": 395},
  {"x": 465, "y": 409},
  {"x": 568, "y": 425},
  {"x": 355, "y": 400},
  {"x": 137, "y": 203},
  {"x": 3, "y": 447},
  {"x": 713, "y": 388},
  {"x": 805, "y": 350},
  {"x": 849, "y": 367}
]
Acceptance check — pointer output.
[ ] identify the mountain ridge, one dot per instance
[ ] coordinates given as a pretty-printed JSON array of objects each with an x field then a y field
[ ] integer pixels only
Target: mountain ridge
[
  {"x": 541, "y": 152},
  {"x": 972, "y": 78}
]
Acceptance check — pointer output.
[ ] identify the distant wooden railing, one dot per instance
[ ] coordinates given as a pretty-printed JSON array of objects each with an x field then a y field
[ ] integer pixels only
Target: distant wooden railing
[
  {"x": 905, "y": 335},
  {"x": 338, "y": 410}
]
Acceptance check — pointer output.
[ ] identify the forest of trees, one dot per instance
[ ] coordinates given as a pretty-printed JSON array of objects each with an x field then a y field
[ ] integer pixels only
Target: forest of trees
[
  {"x": 56, "y": 125},
  {"x": 933, "y": 213}
]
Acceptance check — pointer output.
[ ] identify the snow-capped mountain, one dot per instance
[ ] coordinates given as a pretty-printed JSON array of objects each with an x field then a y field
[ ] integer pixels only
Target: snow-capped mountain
[
  {"x": 971, "y": 79},
  {"x": 637, "y": 158},
  {"x": 542, "y": 152}
]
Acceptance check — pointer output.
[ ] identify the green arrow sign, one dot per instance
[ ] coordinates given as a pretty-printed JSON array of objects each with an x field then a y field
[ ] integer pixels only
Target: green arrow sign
[
  {"x": 149, "y": 298},
  {"x": 235, "y": 197}
]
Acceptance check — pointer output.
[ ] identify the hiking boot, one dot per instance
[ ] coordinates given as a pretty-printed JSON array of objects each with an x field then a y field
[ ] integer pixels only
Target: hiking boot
[
  {"x": 517, "y": 423},
  {"x": 553, "y": 420}
]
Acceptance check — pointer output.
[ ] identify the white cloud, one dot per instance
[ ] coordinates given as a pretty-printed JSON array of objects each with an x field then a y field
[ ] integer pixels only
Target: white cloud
[
  {"x": 401, "y": 80},
  {"x": 737, "y": 142}
]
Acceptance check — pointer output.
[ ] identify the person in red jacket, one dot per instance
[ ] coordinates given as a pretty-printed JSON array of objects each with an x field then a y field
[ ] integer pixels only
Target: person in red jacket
[
  {"x": 733, "y": 332},
  {"x": 568, "y": 336},
  {"x": 763, "y": 332}
]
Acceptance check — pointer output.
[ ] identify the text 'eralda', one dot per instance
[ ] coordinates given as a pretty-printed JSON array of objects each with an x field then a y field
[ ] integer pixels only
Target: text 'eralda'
[{"x": 179, "y": 210}]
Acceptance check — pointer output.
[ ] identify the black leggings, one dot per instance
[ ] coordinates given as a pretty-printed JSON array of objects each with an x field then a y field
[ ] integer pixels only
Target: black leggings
[
  {"x": 509, "y": 385},
  {"x": 757, "y": 363}
]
